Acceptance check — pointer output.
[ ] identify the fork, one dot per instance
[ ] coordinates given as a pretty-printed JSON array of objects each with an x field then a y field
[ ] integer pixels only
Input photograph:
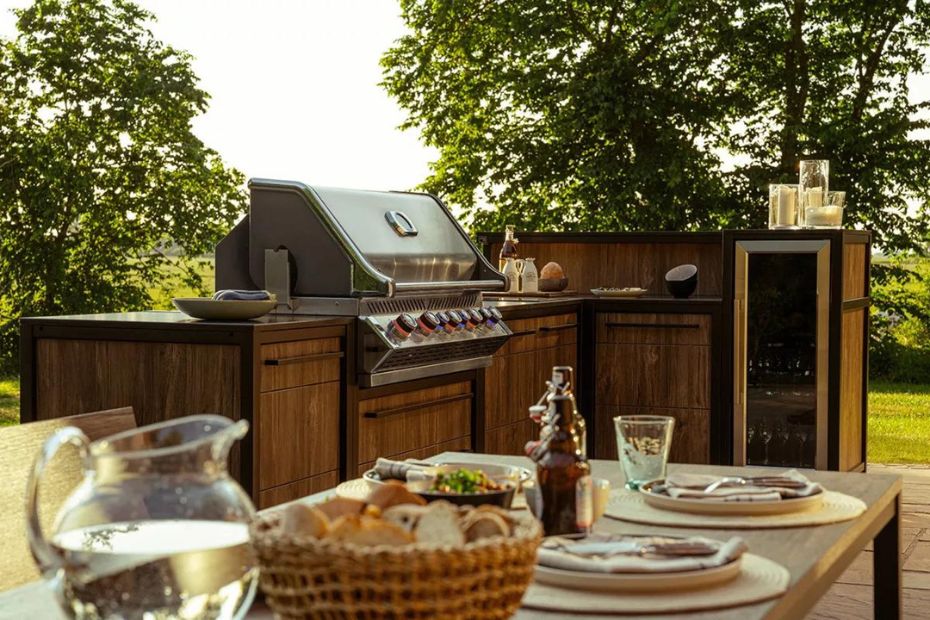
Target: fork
[
  {"x": 679, "y": 548},
  {"x": 768, "y": 481}
]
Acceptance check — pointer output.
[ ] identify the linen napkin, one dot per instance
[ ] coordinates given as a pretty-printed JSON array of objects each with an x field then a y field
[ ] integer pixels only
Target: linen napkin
[
  {"x": 403, "y": 470},
  {"x": 557, "y": 552},
  {"x": 691, "y": 486}
]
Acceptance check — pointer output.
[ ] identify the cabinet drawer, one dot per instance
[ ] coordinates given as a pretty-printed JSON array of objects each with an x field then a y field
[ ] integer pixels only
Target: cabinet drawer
[
  {"x": 297, "y": 490},
  {"x": 648, "y": 375},
  {"x": 400, "y": 423},
  {"x": 634, "y": 328},
  {"x": 511, "y": 439},
  {"x": 459, "y": 444},
  {"x": 301, "y": 362},
  {"x": 523, "y": 339},
  {"x": 556, "y": 330},
  {"x": 298, "y": 433},
  {"x": 690, "y": 439}
]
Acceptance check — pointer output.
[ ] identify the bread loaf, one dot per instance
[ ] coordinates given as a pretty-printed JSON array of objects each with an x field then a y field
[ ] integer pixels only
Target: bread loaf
[{"x": 552, "y": 271}]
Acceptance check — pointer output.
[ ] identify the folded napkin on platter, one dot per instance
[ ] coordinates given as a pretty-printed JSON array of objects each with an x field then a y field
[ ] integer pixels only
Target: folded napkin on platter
[
  {"x": 788, "y": 485},
  {"x": 403, "y": 470},
  {"x": 611, "y": 553}
]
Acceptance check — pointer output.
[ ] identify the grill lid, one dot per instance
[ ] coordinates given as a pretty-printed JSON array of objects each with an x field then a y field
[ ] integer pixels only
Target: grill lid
[{"x": 343, "y": 242}]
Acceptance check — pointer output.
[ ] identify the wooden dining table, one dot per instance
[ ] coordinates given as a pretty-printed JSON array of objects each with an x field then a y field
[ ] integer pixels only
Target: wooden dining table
[{"x": 814, "y": 556}]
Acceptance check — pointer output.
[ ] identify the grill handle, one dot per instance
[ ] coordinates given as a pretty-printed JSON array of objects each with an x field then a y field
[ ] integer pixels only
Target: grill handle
[
  {"x": 385, "y": 413},
  {"x": 461, "y": 285},
  {"x": 556, "y": 328}
]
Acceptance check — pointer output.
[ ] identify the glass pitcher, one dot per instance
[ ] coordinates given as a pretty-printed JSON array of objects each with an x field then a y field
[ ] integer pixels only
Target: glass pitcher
[{"x": 156, "y": 529}]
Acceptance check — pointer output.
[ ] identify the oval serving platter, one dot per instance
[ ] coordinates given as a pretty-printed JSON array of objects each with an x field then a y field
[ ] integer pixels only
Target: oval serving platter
[
  {"x": 209, "y": 309},
  {"x": 492, "y": 470},
  {"x": 619, "y": 292},
  {"x": 713, "y": 507},
  {"x": 638, "y": 582}
]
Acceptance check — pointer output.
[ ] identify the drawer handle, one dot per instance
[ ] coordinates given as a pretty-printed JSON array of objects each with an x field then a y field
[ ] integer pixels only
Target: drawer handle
[
  {"x": 300, "y": 359},
  {"x": 556, "y": 328},
  {"x": 385, "y": 413},
  {"x": 659, "y": 325},
  {"x": 528, "y": 332}
]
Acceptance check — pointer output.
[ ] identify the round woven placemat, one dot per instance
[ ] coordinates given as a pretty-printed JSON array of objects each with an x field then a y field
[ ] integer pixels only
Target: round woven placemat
[
  {"x": 759, "y": 580},
  {"x": 630, "y": 506}
]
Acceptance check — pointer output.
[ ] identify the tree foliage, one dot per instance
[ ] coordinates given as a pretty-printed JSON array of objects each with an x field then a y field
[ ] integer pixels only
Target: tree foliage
[
  {"x": 101, "y": 176},
  {"x": 667, "y": 114}
]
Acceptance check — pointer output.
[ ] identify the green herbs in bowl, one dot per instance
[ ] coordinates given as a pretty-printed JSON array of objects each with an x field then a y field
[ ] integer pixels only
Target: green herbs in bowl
[{"x": 465, "y": 487}]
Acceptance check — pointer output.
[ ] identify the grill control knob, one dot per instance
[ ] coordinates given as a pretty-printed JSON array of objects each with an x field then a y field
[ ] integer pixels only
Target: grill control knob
[
  {"x": 489, "y": 319},
  {"x": 445, "y": 321},
  {"x": 428, "y": 322},
  {"x": 495, "y": 313},
  {"x": 457, "y": 320},
  {"x": 474, "y": 317},
  {"x": 403, "y": 326}
]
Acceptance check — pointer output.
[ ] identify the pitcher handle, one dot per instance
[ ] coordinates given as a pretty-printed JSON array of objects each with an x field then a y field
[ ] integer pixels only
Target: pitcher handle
[{"x": 46, "y": 557}]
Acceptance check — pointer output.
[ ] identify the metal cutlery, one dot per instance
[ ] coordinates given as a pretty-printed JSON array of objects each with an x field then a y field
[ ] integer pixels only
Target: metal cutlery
[
  {"x": 631, "y": 547},
  {"x": 762, "y": 481}
]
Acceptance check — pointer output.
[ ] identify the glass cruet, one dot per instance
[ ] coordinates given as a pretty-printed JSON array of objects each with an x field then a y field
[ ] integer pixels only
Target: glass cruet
[{"x": 157, "y": 528}]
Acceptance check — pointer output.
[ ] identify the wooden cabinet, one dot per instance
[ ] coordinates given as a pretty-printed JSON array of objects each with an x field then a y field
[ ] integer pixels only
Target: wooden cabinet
[
  {"x": 654, "y": 364},
  {"x": 518, "y": 374},
  {"x": 417, "y": 423},
  {"x": 284, "y": 375}
]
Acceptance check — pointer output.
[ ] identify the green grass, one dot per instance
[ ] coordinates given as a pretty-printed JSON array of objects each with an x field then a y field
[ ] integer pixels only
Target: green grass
[
  {"x": 9, "y": 401},
  {"x": 899, "y": 423},
  {"x": 899, "y": 419}
]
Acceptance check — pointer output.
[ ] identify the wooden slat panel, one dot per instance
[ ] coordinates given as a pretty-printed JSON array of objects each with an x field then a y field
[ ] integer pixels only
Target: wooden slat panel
[
  {"x": 413, "y": 429},
  {"x": 546, "y": 336},
  {"x": 851, "y": 377},
  {"x": 566, "y": 355},
  {"x": 634, "y": 328},
  {"x": 296, "y": 490},
  {"x": 854, "y": 270},
  {"x": 298, "y": 434},
  {"x": 19, "y": 446},
  {"x": 300, "y": 373},
  {"x": 523, "y": 339},
  {"x": 512, "y": 384},
  {"x": 459, "y": 444},
  {"x": 159, "y": 380},
  {"x": 592, "y": 265},
  {"x": 648, "y": 375},
  {"x": 512, "y": 438},
  {"x": 690, "y": 439}
]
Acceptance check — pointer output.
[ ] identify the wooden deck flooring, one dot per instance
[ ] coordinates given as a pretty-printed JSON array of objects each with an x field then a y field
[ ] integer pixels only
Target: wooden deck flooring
[{"x": 850, "y": 598}]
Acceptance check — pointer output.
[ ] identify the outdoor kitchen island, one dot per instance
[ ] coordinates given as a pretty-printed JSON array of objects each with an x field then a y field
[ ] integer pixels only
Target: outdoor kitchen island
[{"x": 765, "y": 364}]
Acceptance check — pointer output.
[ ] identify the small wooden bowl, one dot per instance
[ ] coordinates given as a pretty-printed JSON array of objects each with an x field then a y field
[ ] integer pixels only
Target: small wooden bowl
[{"x": 552, "y": 285}]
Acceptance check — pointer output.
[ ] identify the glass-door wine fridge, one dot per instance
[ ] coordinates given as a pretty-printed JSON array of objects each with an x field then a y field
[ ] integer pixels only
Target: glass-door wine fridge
[{"x": 781, "y": 306}]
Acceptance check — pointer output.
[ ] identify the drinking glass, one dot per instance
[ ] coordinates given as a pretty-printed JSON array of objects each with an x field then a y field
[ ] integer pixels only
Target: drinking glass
[
  {"x": 783, "y": 205},
  {"x": 814, "y": 183},
  {"x": 643, "y": 442}
]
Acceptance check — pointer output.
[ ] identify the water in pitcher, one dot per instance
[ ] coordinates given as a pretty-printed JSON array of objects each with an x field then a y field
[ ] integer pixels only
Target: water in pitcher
[{"x": 181, "y": 569}]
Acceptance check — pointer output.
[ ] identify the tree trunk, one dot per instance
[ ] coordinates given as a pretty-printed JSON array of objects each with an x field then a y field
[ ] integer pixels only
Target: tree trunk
[{"x": 796, "y": 85}]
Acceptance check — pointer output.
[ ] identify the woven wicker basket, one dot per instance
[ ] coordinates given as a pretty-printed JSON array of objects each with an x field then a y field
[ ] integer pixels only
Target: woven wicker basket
[{"x": 305, "y": 577}]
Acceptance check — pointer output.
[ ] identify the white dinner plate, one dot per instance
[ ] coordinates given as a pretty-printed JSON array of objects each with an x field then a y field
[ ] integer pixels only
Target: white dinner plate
[
  {"x": 638, "y": 582},
  {"x": 619, "y": 292},
  {"x": 718, "y": 507}
]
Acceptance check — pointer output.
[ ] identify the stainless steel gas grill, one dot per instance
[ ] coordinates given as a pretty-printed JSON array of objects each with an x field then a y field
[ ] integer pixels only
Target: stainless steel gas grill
[{"x": 398, "y": 261}]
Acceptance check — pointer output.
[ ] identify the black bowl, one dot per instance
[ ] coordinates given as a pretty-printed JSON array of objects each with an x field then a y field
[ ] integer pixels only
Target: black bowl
[
  {"x": 502, "y": 498},
  {"x": 552, "y": 285},
  {"x": 682, "y": 280}
]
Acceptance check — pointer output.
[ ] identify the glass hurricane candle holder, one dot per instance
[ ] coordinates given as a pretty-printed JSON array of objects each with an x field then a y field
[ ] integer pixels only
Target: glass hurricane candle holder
[
  {"x": 813, "y": 185},
  {"x": 830, "y": 215},
  {"x": 783, "y": 206}
]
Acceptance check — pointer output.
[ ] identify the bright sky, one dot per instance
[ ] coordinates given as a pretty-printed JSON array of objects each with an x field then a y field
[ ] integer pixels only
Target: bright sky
[{"x": 294, "y": 87}]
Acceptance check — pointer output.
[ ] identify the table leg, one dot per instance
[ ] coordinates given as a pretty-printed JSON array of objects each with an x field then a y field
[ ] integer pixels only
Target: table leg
[{"x": 886, "y": 567}]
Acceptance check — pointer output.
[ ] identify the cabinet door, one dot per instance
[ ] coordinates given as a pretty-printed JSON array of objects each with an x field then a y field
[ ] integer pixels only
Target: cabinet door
[
  {"x": 690, "y": 439},
  {"x": 511, "y": 385},
  {"x": 512, "y": 438},
  {"x": 649, "y": 375},
  {"x": 298, "y": 434}
]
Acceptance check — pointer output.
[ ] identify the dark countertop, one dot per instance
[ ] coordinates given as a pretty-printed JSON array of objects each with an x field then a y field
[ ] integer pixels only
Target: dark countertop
[{"x": 168, "y": 319}]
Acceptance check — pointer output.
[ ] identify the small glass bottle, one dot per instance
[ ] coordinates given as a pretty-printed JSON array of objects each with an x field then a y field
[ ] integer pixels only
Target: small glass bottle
[
  {"x": 564, "y": 476},
  {"x": 509, "y": 249}
]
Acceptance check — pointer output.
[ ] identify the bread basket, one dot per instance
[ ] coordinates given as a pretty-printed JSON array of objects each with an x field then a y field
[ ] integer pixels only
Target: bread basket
[{"x": 305, "y": 577}]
